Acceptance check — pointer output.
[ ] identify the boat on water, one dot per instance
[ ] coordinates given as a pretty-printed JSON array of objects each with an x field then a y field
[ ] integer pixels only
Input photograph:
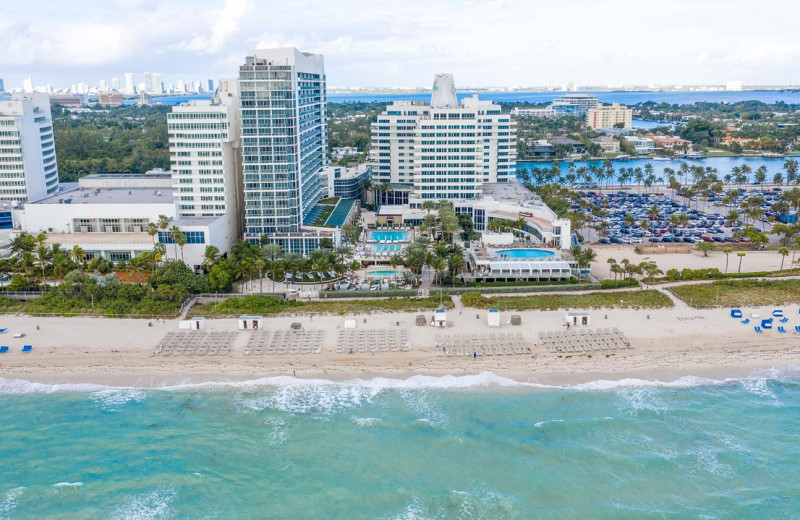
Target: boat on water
[
  {"x": 622, "y": 158},
  {"x": 694, "y": 155},
  {"x": 772, "y": 155},
  {"x": 661, "y": 158}
]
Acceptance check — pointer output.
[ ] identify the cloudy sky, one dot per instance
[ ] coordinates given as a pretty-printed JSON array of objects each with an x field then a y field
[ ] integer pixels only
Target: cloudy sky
[{"x": 386, "y": 43}]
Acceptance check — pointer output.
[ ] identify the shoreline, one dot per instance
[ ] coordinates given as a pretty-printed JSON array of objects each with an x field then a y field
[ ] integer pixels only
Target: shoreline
[{"x": 668, "y": 345}]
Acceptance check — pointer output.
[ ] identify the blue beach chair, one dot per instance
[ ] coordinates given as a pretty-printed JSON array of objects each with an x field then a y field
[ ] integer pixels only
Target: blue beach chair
[
  {"x": 27, "y": 348},
  {"x": 3, "y": 349},
  {"x": 757, "y": 329},
  {"x": 746, "y": 321},
  {"x": 783, "y": 320},
  {"x": 3, "y": 330},
  {"x": 736, "y": 313},
  {"x": 781, "y": 330},
  {"x": 777, "y": 313},
  {"x": 797, "y": 328}
]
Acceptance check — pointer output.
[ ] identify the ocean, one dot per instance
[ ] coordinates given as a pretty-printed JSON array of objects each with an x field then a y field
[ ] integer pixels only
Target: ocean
[{"x": 424, "y": 448}]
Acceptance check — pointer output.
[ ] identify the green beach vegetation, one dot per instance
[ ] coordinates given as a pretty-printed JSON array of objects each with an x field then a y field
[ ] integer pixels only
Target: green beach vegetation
[
  {"x": 273, "y": 305},
  {"x": 739, "y": 293},
  {"x": 646, "y": 299}
]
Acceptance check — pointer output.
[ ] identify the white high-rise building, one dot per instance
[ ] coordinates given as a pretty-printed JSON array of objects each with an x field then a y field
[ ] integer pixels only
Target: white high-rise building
[
  {"x": 204, "y": 144},
  {"x": 115, "y": 84},
  {"x": 28, "y": 168},
  {"x": 284, "y": 142},
  {"x": 130, "y": 86},
  {"x": 609, "y": 116},
  {"x": 102, "y": 87},
  {"x": 27, "y": 84},
  {"x": 158, "y": 87},
  {"x": 445, "y": 149},
  {"x": 148, "y": 82}
]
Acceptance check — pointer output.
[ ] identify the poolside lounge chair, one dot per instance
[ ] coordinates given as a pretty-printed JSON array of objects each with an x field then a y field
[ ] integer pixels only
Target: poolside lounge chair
[
  {"x": 781, "y": 330},
  {"x": 736, "y": 313},
  {"x": 746, "y": 321},
  {"x": 3, "y": 349},
  {"x": 757, "y": 329},
  {"x": 27, "y": 348}
]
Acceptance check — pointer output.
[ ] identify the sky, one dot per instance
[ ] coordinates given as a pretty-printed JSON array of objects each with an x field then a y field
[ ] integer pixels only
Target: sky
[{"x": 387, "y": 43}]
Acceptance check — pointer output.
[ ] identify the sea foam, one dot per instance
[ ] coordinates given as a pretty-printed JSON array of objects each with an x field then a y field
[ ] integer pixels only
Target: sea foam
[
  {"x": 9, "y": 504},
  {"x": 369, "y": 387}
]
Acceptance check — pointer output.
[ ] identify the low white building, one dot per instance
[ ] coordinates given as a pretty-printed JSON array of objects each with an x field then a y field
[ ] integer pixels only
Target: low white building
[
  {"x": 643, "y": 145},
  {"x": 339, "y": 153}
]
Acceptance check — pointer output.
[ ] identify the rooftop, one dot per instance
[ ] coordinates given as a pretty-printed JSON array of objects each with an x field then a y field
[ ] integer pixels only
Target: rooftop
[{"x": 110, "y": 196}]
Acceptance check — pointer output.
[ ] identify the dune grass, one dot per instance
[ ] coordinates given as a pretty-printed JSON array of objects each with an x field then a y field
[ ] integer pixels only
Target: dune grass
[{"x": 739, "y": 293}]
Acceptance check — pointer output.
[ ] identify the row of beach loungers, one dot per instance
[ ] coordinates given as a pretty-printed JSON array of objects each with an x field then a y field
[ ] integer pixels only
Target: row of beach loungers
[
  {"x": 364, "y": 341},
  {"x": 196, "y": 343},
  {"x": 492, "y": 344},
  {"x": 584, "y": 340},
  {"x": 282, "y": 342}
]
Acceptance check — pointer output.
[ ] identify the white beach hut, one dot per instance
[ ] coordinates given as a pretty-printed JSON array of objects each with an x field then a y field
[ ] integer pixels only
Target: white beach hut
[
  {"x": 493, "y": 318},
  {"x": 440, "y": 318},
  {"x": 198, "y": 323},
  {"x": 576, "y": 319},
  {"x": 247, "y": 322}
]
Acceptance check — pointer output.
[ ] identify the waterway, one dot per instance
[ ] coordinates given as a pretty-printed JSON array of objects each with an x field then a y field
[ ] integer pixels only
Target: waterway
[{"x": 723, "y": 165}]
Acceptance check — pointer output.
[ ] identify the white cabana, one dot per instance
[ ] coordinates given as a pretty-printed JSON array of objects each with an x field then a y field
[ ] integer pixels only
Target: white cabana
[
  {"x": 251, "y": 322},
  {"x": 440, "y": 318},
  {"x": 576, "y": 319},
  {"x": 349, "y": 324},
  {"x": 198, "y": 323},
  {"x": 493, "y": 318}
]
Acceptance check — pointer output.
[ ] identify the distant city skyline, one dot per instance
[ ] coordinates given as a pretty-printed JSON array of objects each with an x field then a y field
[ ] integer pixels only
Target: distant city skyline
[{"x": 392, "y": 44}]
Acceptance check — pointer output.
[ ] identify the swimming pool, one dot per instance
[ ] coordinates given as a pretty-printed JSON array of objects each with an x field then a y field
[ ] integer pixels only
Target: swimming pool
[
  {"x": 389, "y": 236},
  {"x": 384, "y": 274},
  {"x": 387, "y": 247},
  {"x": 524, "y": 253}
]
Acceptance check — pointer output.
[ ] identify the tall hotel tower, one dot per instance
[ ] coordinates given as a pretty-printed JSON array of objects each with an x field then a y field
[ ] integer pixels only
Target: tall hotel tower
[
  {"x": 28, "y": 167},
  {"x": 284, "y": 141},
  {"x": 442, "y": 150}
]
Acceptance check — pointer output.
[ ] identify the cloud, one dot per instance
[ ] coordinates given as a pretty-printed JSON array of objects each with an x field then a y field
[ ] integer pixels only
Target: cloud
[{"x": 226, "y": 24}]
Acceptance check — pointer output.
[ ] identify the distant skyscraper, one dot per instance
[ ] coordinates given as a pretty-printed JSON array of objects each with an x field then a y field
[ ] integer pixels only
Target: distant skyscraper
[
  {"x": 2, "y": 86},
  {"x": 27, "y": 84},
  {"x": 30, "y": 171},
  {"x": 733, "y": 85},
  {"x": 102, "y": 87},
  {"x": 148, "y": 82},
  {"x": 130, "y": 87},
  {"x": 211, "y": 85},
  {"x": 157, "y": 86},
  {"x": 115, "y": 84},
  {"x": 181, "y": 86},
  {"x": 283, "y": 111}
]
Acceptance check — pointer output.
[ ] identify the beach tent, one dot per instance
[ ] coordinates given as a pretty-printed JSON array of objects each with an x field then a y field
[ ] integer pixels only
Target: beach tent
[
  {"x": 349, "y": 324},
  {"x": 251, "y": 322},
  {"x": 493, "y": 317},
  {"x": 440, "y": 318}
]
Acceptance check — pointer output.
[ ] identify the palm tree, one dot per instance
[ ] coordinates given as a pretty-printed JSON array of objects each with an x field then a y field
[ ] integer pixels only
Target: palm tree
[
  {"x": 395, "y": 261},
  {"x": 210, "y": 257},
  {"x": 152, "y": 230},
  {"x": 344, "y": 253},
  {"x": 163, "y": 222},
  {"x": 174, "y": 232},
  {"x": 455, "y": 264},
  {"x": 611, "y": 263},
  {"x": 784, "y": 252},
  {"x": 42, "y": 256},
  {"x": 727, "y": 252},
  {"x": 77, "y": 255},
  {"x": 740, "y": 255},
  {"x": 181, "y": 241}
]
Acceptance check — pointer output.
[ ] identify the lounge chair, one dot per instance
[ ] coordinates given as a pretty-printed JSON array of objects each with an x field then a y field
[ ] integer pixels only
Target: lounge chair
[
  {"x": 783, "y": 320},
  {"x": 781, "y": 330},
  {"x": 27, "y": 348},
  {"x": 3, "y": 330},
  {"x": 757, "y": 329},
  {"x": 797, "y": 328},
  {"x": 777, "y": 313},
  {"x": 746, "y": 321},
  {"x": 736, "y": 313},
  {"x": 3, "y": 349}
]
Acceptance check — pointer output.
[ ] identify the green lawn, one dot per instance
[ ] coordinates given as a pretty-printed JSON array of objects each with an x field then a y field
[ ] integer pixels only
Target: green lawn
[
  {"x": 739, "y": 293},
  {"x": 649, "y": 299}
]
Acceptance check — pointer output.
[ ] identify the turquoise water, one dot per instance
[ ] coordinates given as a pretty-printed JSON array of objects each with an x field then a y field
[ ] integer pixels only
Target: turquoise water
[
  {"x": 395, "y": 236},
  {"x": 425, "y": 448},
  {"x": 524, "y": 253},
  {"x": 387, "y": 247},
  {"x": 384, "y": 274}
]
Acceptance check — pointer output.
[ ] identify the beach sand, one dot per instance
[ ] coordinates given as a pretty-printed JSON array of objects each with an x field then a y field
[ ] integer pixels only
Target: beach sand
[{"x": 667, "y": 344}]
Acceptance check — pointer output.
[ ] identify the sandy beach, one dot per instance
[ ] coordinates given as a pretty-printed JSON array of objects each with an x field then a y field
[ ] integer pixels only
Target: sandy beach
[{"x": 667, "y": 344}]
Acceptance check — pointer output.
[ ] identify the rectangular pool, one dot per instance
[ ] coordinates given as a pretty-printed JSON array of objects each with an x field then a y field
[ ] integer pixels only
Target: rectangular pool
[{"x": 389, "y": 236}]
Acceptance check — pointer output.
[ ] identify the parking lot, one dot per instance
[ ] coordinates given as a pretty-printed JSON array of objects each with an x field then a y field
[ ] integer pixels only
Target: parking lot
[{"x": 635, "y": 218}]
